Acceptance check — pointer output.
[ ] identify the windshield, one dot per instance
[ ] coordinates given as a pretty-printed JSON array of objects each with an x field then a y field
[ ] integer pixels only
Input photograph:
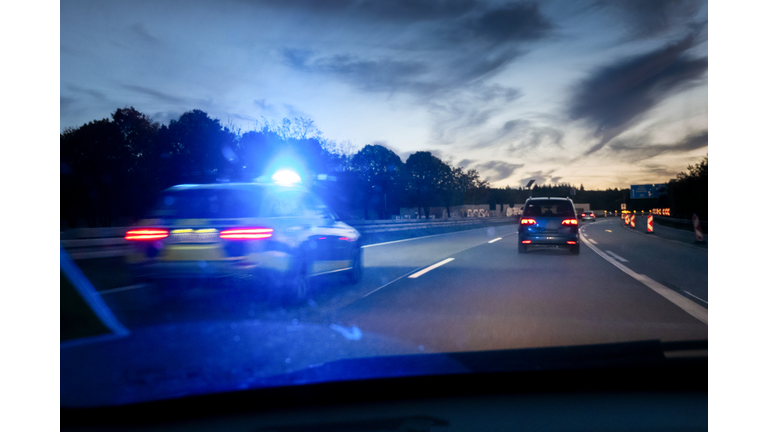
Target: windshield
[
  {"x": 253, "y": 193},
  {"x": 549, "y": 209},
  {"x": 207, "y": 204}
]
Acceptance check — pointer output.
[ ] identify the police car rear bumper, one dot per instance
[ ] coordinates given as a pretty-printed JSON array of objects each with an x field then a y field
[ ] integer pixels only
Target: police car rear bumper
[{"x": 204, "y": 269}]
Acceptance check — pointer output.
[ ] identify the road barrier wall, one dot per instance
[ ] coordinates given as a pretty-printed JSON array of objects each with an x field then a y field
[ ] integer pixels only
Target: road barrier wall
[
  {"x": 90, "y": 243},
  {"x": 684, "y": 224}
]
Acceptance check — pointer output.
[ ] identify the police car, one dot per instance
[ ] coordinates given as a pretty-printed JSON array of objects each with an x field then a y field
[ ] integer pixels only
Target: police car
[{"x": 276, "y": 236}]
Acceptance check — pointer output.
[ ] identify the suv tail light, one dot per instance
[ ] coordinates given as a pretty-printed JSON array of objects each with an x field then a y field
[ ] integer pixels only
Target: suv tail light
[
  {"x": 246, "y": 233},
  {"x": 570, "y": 222},
  {"x": 527, "y": 221},
  {"x": 146, "y": 234}
]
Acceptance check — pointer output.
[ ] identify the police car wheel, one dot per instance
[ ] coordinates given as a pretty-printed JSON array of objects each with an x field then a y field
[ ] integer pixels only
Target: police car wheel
[
  {"x": 297, "y": 289},
  {"x": 357, "y": 268}
]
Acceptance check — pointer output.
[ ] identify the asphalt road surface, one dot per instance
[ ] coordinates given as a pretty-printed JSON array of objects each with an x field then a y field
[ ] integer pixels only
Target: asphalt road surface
[
  {"x": 484, "y": 295},
  {"x": 462, "y": 291}
]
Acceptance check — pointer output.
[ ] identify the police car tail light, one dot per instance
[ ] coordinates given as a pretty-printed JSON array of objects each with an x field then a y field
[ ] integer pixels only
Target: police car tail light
[
  {"x": 570, "y": 222},
  {"x": 246, "y": 233},
  {"x": 146, "y": 234},
  {"x": 527, "y": 221}
]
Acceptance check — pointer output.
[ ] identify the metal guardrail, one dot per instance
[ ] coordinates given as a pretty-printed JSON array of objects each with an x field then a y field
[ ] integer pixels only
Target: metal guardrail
[{"x": 89, "y": 243}]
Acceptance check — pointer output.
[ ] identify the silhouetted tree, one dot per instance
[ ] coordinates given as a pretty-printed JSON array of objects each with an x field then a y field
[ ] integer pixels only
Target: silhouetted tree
[
  {"x": 690, "y": 191},
  {"x": 196, "y": 149},
  {"x": 423, "y": 176},
  {"x": 379, "y": 170}
]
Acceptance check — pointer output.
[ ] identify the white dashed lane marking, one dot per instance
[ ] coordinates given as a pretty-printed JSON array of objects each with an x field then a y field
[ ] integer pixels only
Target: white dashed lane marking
[{"x": 432, "y": 267}]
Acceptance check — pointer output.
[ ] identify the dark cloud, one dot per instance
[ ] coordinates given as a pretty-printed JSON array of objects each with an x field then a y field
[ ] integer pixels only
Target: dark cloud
[
  {"x": 645, "y": 19},
  {"x": 164, "y": 97},
  {"x": 637, "y": 149},
  {"x": 65, "y": 102},
  {"x": 533, "y": 137},
  {"x": 616, "y": 96},
  {"x": 500, "y": 170},
  {"x": 140, "y": 31},
  {"x": 95, "y": 94},
  {"x": 521, "y": 136},
  {"x": 659, "y": 170},
  {"x": 377, "y": 74},
  {"x": 403, "y": 11},
  {"x": 465, "y": 163},
  {"x": 468, "y": 109},
  {"x": 463, "y": 43},
  {"x": 519, "y": 22},
  {"x": 443, "y": 58},
  {"x": 416, "y": 10},
  {"x": 541, "y": 178}
]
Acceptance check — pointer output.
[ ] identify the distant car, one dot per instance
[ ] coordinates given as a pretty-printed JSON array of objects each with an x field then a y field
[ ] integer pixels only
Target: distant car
[
  {"x": 274, "y": 236},
  {"x": 548, "y": 222},
  {"x": 588, "y": 216}
]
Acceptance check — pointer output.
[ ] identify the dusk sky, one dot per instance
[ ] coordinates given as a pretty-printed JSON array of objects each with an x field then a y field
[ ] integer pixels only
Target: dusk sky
[{"x": 599, "y": 93}]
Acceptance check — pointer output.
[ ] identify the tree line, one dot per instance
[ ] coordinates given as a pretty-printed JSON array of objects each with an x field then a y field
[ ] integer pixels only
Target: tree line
[{"x": 117, "y": 166}]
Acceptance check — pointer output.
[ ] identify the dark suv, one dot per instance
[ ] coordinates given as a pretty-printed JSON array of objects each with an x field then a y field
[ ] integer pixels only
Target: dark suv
[{"x": 548, "y": 222}]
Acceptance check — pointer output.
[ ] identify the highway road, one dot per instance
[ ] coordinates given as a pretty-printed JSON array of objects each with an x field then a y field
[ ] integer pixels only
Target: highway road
[
  {"x": 461, "y": 291},
  {"x": 486, "y": 296}
]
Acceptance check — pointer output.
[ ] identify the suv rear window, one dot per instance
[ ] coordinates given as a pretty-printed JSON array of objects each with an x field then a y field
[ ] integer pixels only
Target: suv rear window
[
  {"x": 546, "y": 208},
  {"x": 208, "y": 204}
]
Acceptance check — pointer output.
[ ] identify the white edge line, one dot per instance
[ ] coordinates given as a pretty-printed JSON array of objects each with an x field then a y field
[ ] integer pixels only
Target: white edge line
[
  {"x": 696, "y": 297},
  {"x": 495, "y": 240},
  {"x": 692, "y": 308},
  {"x": 613, "y": 254},
  {"x": 432, "y": 267},
  {"x": 390, "y": 282},
  {"x": 592, "y": 241},
  {"x": 423, "y": 237},
  {"x": 405, "y": 240},
  {"x": 331, "y": 271}
]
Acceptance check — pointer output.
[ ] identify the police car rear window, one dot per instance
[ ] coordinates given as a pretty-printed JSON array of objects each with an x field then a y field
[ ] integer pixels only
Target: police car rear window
[
  {"x": 208, "y": 204},
  {"x": 549, "y": 209}
]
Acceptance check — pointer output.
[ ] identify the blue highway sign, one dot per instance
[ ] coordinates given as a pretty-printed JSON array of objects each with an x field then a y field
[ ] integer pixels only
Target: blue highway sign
[{"x": 645, "y": 191}]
